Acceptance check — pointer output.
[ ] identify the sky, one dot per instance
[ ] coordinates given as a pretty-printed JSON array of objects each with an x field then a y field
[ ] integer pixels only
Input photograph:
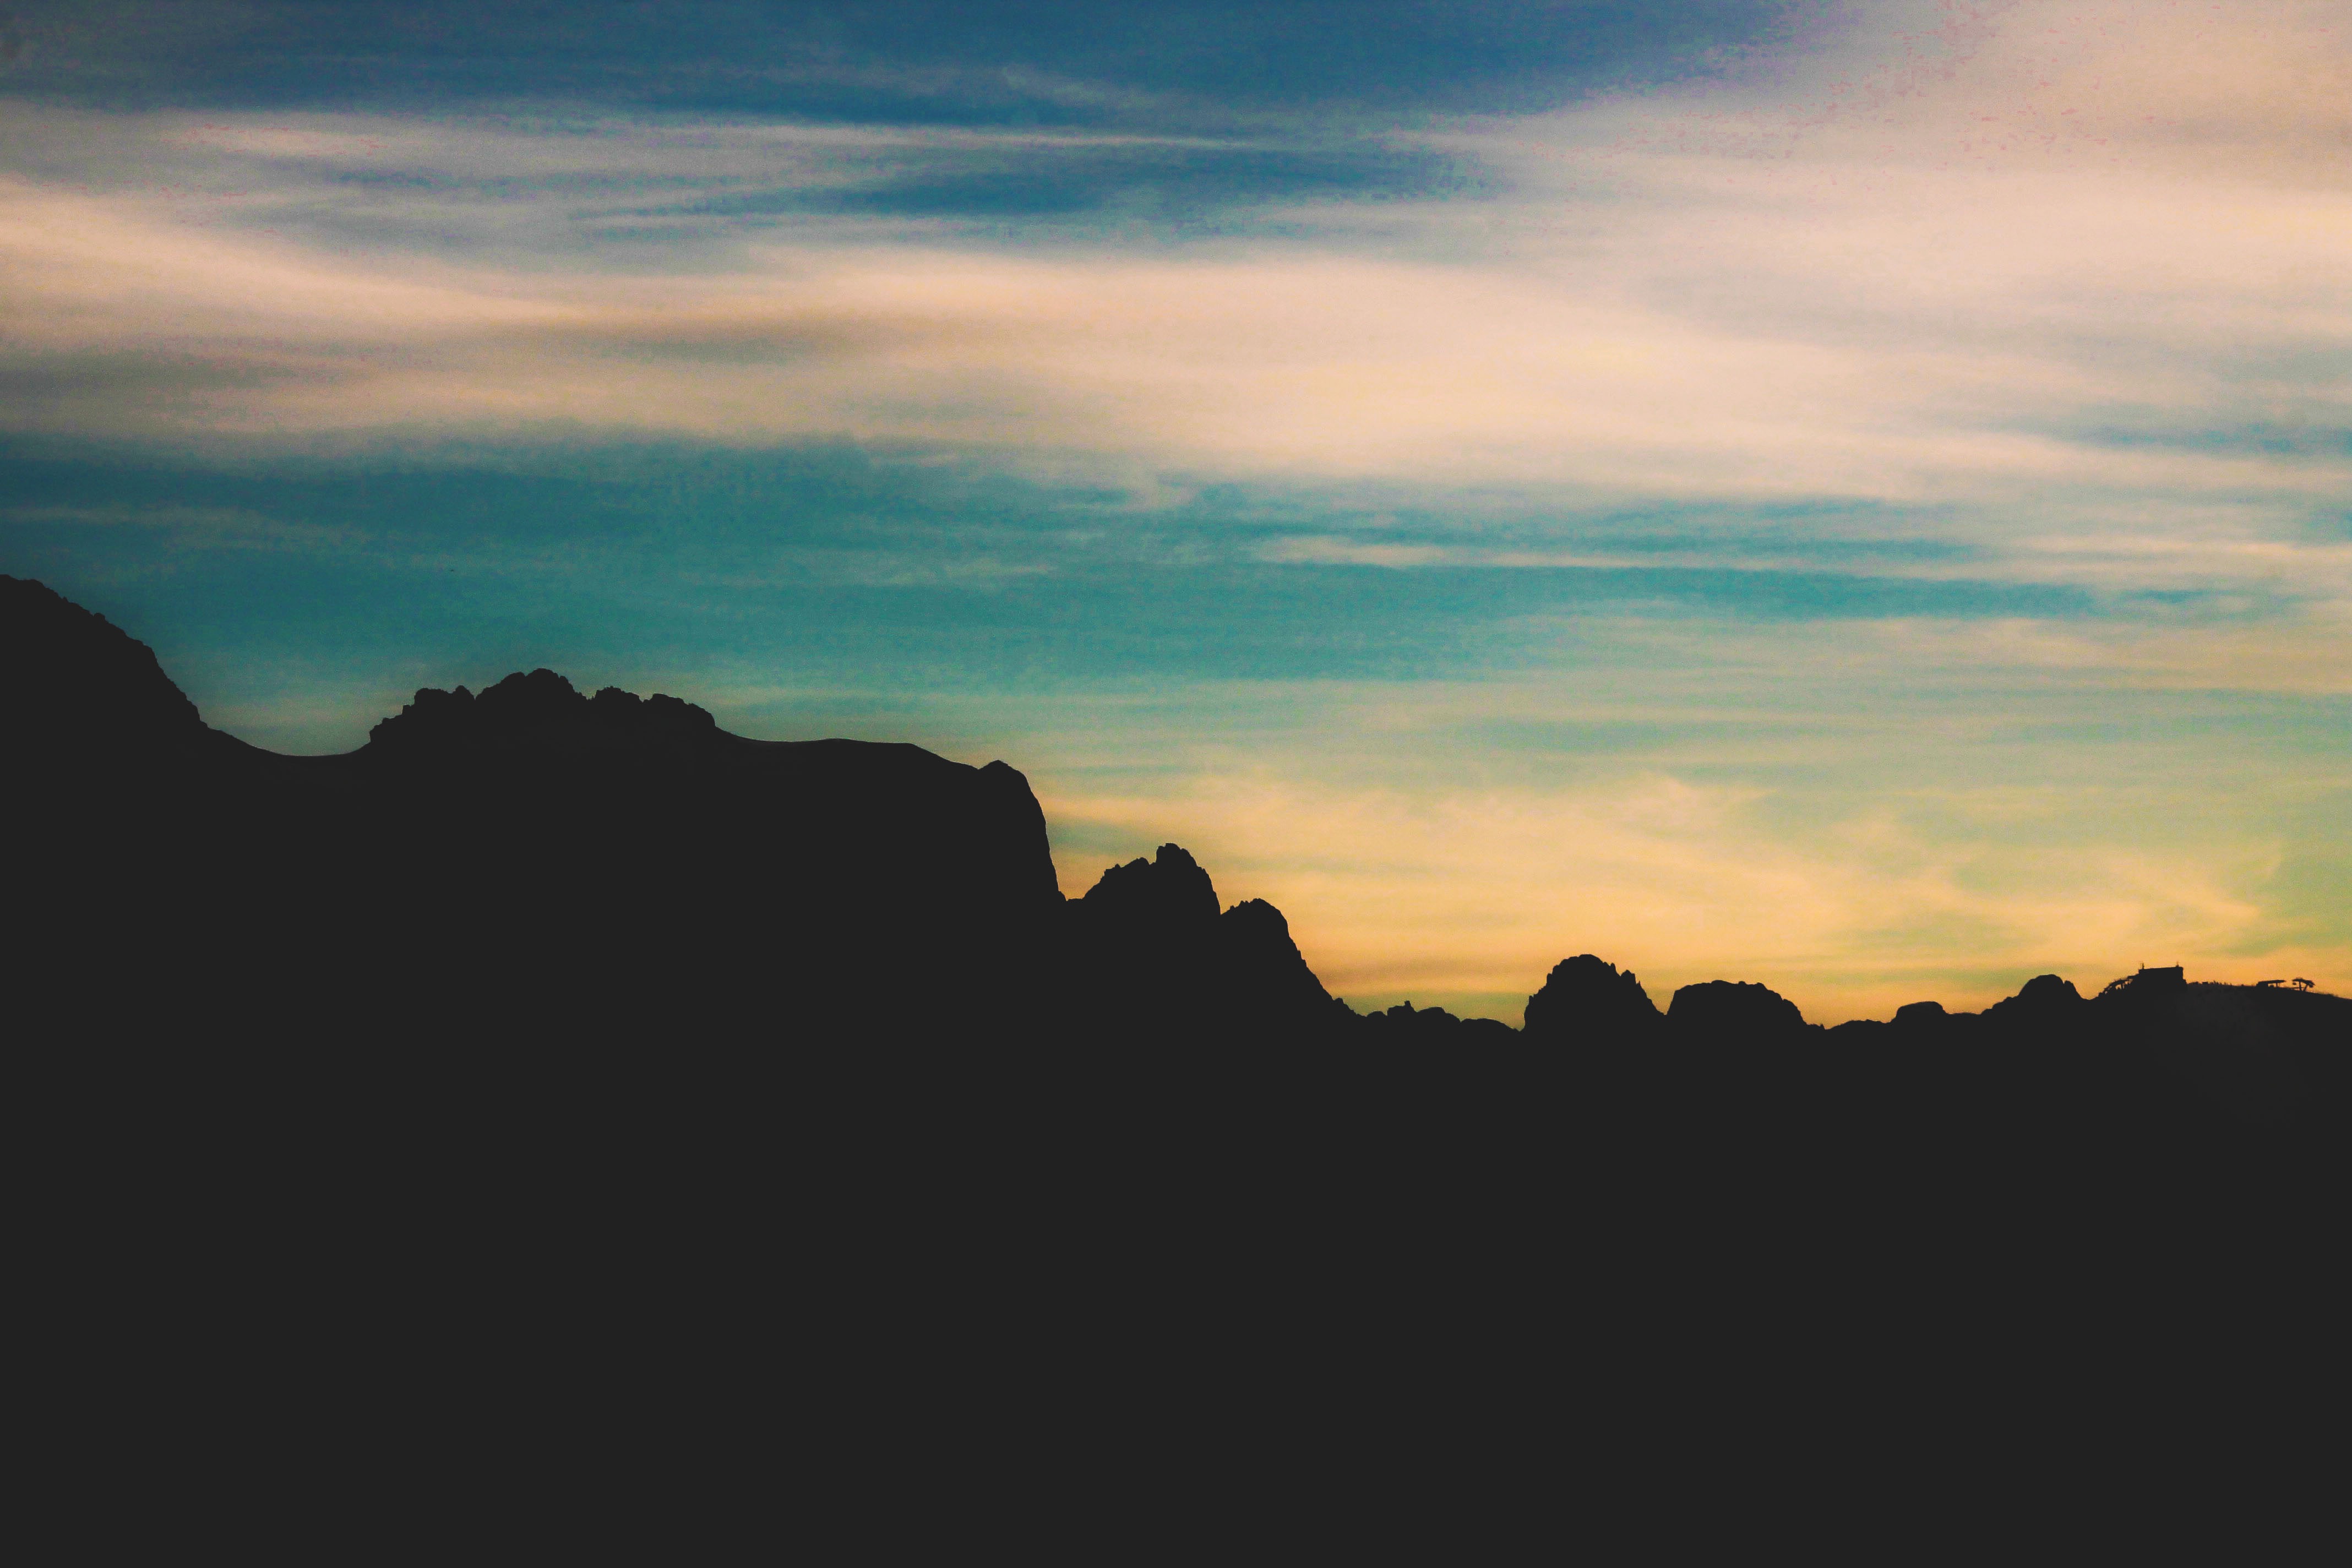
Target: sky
[{"x": 1856, "y": 497}]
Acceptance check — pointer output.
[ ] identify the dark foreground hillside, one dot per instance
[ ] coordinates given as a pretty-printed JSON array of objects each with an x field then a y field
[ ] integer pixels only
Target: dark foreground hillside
[
  {"x": 585, "y": 976},
  {"x": 531, "y": 859}
]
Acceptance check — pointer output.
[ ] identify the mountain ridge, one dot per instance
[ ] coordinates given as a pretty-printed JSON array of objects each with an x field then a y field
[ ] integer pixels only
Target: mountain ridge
[
  {"x": 595, "y": 967},
  {"x": 84, "y": 697}
]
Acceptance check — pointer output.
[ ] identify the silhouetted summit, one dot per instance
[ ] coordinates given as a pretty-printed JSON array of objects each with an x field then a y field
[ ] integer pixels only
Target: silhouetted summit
[
  {"x": 1152, "y": 959},
  {"x": 1584, "y": 998},
  {"x": 1166, "y": 894},
  {"x": 547, "y": 970},
  {"x": 622, "y": 867},
  {"x": 2044, "y": 996},
  {"x": 1734, "y": 1009},
  {"x": 541, "y": 710},
  {"x": 1269, "y": 976}
]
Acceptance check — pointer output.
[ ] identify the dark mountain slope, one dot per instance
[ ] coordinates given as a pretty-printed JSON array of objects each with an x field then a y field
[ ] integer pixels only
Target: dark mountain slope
[
  {"x": 1151, "y": 959},
  {"x": 1585, "y": 998},
  {"x": 532, "y": 863},
  {"x": 765, "y": 1032},
  {"x": 76, "y": 685},
  {"x": 530, "y": 859}
]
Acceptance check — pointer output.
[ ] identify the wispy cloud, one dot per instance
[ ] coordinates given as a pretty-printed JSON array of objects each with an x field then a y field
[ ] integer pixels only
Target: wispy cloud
[{"x": 1853, "y": 312}]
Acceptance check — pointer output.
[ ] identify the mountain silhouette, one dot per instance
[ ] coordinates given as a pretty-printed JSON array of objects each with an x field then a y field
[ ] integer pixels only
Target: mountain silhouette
[
  {"x": 80, "y": 688},
  {"x": 807, "y": 1031},
  {"x": 1150, "y": 948},
  {"x": 527, "y": 859},
  {"x": 1584, "y": 998},
  {"x": 1720, "y": 1009},
  {"x": 527, "y": 855}
]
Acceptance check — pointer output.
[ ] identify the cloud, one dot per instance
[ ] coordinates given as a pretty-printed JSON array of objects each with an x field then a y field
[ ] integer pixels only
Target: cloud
[
  {"x": 1677, "y": 304},
  {"x": 2310, "y": 653},
  {"x": 1270, "y": 362}
]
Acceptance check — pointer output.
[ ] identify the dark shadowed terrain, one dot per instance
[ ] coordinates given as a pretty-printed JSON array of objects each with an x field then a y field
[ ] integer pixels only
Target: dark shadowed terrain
[{"x": 575, "y": 973}]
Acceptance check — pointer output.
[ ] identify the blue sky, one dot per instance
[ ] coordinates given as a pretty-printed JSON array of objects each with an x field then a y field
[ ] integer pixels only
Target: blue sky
[{"x": 1849, "y": 496}]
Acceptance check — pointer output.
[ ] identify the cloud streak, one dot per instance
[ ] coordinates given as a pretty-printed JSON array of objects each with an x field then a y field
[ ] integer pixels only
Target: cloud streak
[{"x": 1857, "y": 316}]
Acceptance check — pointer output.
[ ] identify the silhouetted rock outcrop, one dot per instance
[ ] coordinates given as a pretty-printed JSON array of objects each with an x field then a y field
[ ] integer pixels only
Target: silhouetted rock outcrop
[
  {"x": 2043, "y": 999},
  {"x": 538, "y": 709},
  {"x": 1166, "y": 895},
  {"x": 1152, "y": 959},
  {"x": 1735, "y": 1011},
  {"x": 526, "y": 859},
  {"x": 1268, "y": 978},
  {"x": 527, "y": 863},
  {"x": 1585, "y": 1000}
]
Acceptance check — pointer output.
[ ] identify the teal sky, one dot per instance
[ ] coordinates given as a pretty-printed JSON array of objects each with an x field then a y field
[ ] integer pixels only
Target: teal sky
[{"x": 1852, "y": 497}]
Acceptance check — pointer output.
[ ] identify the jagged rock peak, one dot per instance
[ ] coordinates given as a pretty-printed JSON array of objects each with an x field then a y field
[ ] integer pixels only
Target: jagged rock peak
[
  {"x": 72, "y": 675},
  {"x": 1266, "y": 963},
  {"x": 1587, "y": 997},
  {"x": 1169, "y": 888},
  {"x": 539, "y": 706},
  {"x": 2047, "y": 991},
  {"x": 1258, "y": 917}
]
